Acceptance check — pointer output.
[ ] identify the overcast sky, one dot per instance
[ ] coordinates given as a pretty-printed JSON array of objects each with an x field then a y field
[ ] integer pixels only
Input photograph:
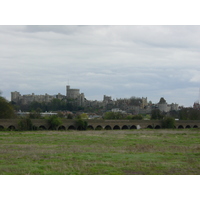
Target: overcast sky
[{"x": 118, "y": 61}]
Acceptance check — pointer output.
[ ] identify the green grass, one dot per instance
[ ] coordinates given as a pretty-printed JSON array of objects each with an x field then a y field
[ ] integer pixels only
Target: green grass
[{"x": 139, "y": 152}]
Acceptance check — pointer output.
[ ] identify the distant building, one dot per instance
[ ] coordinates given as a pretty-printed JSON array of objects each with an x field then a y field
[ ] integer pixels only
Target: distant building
[
  {"x": 107, "y": 99},
  {"x": 144, "y": 102},
  {"x": 196, "y": 106},
  {"x": 164, "y": 107},
  {"x": 72, "y": 93},
  {"x": 43, "y": 114},
  {"x": 75, "y": 95},
  {"x": 118, "y": 110},
  {"x": 26, "y": 99},
  {"x": 133, "y": 105}
]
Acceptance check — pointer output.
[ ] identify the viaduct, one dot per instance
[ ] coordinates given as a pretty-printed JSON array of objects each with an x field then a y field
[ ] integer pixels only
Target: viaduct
[{"x": 67, "y": 124}]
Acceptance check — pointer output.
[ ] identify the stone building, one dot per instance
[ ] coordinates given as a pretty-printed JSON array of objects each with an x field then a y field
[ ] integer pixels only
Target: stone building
[
  {"x": 144, "y": 103},
  {"x": 196, "y": 105},
  {"x": 28, "y": 98},
  {"x": 75, "y": 95},
  {"x": 164, "y": 107},
  {"x": 15, "y": 96},
  {"x": 107, "y": 99}
]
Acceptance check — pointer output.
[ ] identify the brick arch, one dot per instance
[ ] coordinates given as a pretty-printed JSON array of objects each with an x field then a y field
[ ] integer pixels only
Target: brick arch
[
  {"x": 116, "y": 127},
  {"x": 42, "y": 127},
  {"x": 11, "y": 128},
  {"x": 90, "y": 127},
  {"x": 133, "y": 127},
  {"x": 1, "y": 127},
  {"x": 99, "y": 127},
  {"x": 180, "y": 127},
  {"x": 35, "y": 128},
  {"x": 157, "y": 127},
  {"x": 61, "y": 128},
  {"x": 108, "y": 127},
  {"x": 71, "y": 127},
  {"x": 124, "y": 127},
  {"x": 150, "y": 126}
]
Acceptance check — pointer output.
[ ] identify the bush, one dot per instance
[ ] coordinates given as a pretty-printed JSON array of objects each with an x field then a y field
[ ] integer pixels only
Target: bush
[
  {"x": 168, "y": 122},
  {"x": 25, "y": 124},
  {"x": 81, "y": 124},
  {"x": 6, "y": 109},
  {"x": 35, "y": 115},
  {"x": 69, "y": 116},
  {"x": 54, "y": 121},
  {"x": 189, "y": 114},
  {"x": 113, "y": 115},
  {"x": 137, "y": 117},
  {"x": 156, "y": 114}
]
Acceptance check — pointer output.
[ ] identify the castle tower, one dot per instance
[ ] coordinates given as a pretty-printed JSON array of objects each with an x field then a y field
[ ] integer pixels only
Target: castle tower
[
  {"x": 72, "y": 93},
  {"x": 15, "y": 96},
  {"x": 67, "y": 89},
  {"x": 162, "y": 105}
]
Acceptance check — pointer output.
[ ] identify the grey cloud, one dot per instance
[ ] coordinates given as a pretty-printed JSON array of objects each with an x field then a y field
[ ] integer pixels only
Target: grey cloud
[{"x": 121, "y": 61}]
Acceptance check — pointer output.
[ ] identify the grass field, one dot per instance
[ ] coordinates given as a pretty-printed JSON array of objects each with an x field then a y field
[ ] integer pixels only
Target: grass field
[{"x": 127, "y": 152}]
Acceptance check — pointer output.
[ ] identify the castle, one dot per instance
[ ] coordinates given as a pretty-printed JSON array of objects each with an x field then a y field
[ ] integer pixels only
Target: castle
[
  {"x": 70, "y": 94},
  {"x": 28, "y": 98},
  {"x": 132, "y": 105}
]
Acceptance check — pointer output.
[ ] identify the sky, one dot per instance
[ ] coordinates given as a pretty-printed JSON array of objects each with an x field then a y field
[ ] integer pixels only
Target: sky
[{"x": 120, "y": 61}]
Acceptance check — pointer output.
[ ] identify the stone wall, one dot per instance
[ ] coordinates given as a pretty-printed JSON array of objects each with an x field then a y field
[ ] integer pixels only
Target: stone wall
[{"x": 101, "y": 124}]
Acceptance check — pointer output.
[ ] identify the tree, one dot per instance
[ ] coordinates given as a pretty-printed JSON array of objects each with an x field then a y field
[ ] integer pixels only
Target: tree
[
  {"x": 81, "y": 124},
  {"x": 6, "y": 109},
  {"x": 83, "y": 116},
  {"x": 25, "y": 124},
  {"x": 137, "y": 117},
  {"x": 135, "y": 101},
  {"x": 35, "y": 114},
  {"x": 54, "y": 121},
  {"x": 129, "y": 117},
  {"x": 189, "y": 114},
  {"x": 174, "y": 114},
  {"x": 168, "y": 122},
  {"x": 156, "y": 114},
  {"x": 69, "y": 116},
  {"x": 113, "y": 115}
]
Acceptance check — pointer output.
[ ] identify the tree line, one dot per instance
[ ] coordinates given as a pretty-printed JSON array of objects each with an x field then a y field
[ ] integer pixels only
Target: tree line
[
  {"x": 183, "y": 114},
  {"x": 53, "y": 105}
]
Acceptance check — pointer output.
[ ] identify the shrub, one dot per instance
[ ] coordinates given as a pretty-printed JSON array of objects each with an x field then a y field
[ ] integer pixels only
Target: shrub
[
  {"x": 25, "y": 124},
  {"x": 54, "y": 121},
  {"x": 69, "y": 116},
  {"x": 137, "y": 117},
  {"x": 113, "y": 115},
  {"x": 6, "y": 109},
  {"x": 81, "y": 124},
  {"x": 168, "y": 122},
  {"x": 35, "y": 115},
  {"x": 156, "y": 114}
]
